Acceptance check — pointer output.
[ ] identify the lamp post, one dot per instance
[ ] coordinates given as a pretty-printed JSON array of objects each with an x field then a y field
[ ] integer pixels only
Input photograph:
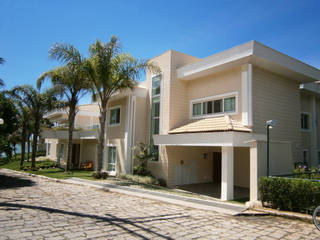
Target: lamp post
[{"x": 269, "y": 124}]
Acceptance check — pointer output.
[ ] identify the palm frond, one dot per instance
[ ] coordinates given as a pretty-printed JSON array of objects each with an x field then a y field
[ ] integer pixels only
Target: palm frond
[{"x": 2, "y": 60}]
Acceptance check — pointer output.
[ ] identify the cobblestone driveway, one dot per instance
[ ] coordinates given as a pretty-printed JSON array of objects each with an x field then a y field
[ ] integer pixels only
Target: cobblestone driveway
[{"x": 34, "y": 208}]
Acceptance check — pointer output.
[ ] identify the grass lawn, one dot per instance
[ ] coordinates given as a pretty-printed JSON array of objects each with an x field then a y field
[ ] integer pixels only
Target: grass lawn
[{"x": 47, "y": 168}]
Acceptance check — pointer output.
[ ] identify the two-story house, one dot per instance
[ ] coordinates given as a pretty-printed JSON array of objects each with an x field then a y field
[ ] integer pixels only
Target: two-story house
[{"x": 206, "y": 118}]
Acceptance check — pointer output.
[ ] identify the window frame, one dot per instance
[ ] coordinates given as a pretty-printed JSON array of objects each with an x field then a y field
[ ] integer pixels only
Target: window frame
[
  {"x": 213, "y": 98},
  {"x": 113, "y": 172},
  {"x": 309, "y": 122},
  {"x": 160, "y": 113},
  {"x": 307, "y": 156},
  {"x": 109, "y": 118}
]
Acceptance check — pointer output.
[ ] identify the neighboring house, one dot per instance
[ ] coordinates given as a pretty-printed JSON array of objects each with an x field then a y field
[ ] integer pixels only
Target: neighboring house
[
  {"x": 206, "y": 118},
  {"x": 85, "y": 135}
]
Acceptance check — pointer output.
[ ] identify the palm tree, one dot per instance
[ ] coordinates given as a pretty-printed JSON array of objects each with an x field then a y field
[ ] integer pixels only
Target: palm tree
[
  {"x": 1, "y": 81},
  {"x": 13, "y": 139},
  {"x": 110, "y": 71},
  {"x": 23, "y": 112},
  {"x": 39, "y": 103},
  {"x": 71, "y": 82}
]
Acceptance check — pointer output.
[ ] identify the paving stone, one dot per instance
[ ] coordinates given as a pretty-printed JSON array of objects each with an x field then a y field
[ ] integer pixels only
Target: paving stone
[{"x": 53, "y": 210}]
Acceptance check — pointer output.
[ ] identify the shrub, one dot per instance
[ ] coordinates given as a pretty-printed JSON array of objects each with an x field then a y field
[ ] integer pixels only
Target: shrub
[
  {"x": 299, "y": 195},
  {"x": 162, "y": 182},
  {"x": 96, "y": 175},
  {"x": 104, "y": 175},
  {"x": 142, "y": 155}
]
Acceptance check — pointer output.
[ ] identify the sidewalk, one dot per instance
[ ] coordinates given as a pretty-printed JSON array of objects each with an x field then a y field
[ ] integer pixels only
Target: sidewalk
[{"x": 220, "y": 207}]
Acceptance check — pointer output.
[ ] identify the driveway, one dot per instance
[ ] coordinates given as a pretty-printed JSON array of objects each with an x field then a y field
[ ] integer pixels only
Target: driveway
[{"x": 36, "y": 208}]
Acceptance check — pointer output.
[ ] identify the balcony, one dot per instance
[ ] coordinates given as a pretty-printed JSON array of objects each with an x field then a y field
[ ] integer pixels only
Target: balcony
[{"x": 80, "y": 132}]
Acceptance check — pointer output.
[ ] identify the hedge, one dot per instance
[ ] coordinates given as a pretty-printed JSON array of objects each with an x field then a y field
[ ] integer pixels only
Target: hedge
[{"x": 298, "y": 195}]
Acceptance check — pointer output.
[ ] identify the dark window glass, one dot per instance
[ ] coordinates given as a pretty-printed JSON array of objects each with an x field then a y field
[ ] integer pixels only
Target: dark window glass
[{"x": 217, "y": 106}]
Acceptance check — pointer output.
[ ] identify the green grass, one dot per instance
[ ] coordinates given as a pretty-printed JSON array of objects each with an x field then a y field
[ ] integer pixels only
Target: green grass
[{"x": 47, "y": 168}]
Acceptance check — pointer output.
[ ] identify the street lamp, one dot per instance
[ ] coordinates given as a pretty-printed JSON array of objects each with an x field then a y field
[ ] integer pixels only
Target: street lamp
[
  {"x": 1, "y": 121},
  {"x": 269, "y": 124}
]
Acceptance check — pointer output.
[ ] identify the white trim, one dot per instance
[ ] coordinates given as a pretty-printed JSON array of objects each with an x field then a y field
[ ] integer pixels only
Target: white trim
[
  {"x": 309, "y": 122},
  {"x": 246, "y": 82},
  {"x": 215, "y": 97},
  {"x": 116, "y": 124},
  {"x": 133, "y": 131}
]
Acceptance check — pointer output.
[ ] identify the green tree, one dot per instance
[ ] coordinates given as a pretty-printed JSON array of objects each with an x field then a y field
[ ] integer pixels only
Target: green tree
[
  {"x": 8, "y": 113},
  {"x": 39, "y": 103},
  {"x": 70, "y": 80},
  {"x": 111, "y": 71}
]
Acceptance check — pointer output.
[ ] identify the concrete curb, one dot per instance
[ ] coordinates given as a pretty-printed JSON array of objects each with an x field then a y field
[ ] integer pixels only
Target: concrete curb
[{"x": 290, "y": 215}]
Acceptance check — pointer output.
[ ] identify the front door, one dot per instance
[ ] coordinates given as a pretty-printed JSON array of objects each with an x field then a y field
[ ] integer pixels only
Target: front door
[
  {"x": 217, "y": 167},
  {"x": 112, "y": 159},
  {"x": 75, "y": 155}
]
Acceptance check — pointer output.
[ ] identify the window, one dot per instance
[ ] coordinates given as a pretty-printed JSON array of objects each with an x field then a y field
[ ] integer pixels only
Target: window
[
  {"x": 112, "y": 159},
  {"x": 155, "y": 113},
  {"x": 115, "y": 116},
  {"x": 305, "y": 157},
  {"x": 305, "y": 121},
  {"x": 61, "y": 150},
  {"x": 215, "y": 106},
  {"x": 48, "y": 148}
]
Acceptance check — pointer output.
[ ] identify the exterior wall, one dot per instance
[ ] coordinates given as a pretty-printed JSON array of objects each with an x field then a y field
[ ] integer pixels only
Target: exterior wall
[
  {"x": 220, "y": 83},
  {"x": 278, "y": 98},
  {"x": 89, "y": 107},
  {"x": 53, "y": 148},
  {"x": 241, "y": 167},
  {"x": 141, "y": 121},
  {"x": 88, "y": 151},
  {"x": 86, "y": 121}
]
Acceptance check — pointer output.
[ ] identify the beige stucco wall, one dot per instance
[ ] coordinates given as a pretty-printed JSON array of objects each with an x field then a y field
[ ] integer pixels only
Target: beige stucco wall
[
  {"x": 53, "y": 148},
  {"x": 217, "y": 84},
  {"x": 89, "y": 107},
  {"x": 141, "y": 121},
  {"x": 278, "y": 98},
  {"x": 114, "y": 132},
  {"x": 241, "y": 167}
]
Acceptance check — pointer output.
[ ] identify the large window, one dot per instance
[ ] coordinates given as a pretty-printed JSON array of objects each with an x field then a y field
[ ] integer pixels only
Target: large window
[
  {"x": 112, "y": 159},
  {"x": 115, "y": 116},
  {"x": 155, "y": 113},
  {"x": 214, "y": 106},
  {"x": 305, "y": 121}
]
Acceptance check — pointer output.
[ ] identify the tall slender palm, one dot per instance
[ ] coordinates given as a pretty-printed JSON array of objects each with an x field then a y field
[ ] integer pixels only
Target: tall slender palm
[
  {"x": 110, "y": 71},
  {"x": 1, "y": 81},
  {"x": 71, "y": 82},
  {"x": 39, "y": 103},
  {"x": 23, "y": 112}
]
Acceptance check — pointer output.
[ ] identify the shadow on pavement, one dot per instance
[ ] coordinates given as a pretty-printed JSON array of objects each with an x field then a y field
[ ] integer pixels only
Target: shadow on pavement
[
  {"x": 14, "y": 182},
  {"x": 110, "y": 219}
]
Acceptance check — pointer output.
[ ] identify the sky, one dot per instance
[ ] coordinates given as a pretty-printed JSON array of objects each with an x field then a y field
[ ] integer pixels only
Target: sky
[{"x": 28, "y": 28}]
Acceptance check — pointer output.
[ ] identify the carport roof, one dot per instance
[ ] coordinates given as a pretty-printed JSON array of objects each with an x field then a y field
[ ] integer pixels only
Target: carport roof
[{"x": 214, "y": 124}]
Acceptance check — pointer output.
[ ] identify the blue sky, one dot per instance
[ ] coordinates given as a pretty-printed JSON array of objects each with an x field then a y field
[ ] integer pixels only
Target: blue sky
[{"x": 148, "y": 28}]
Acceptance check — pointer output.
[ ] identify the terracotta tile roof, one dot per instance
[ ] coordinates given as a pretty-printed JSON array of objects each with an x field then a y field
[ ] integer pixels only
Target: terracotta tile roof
[{"x": 215, "y": 124}]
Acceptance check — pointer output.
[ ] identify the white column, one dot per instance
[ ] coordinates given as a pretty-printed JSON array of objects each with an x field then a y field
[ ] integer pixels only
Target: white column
[
  {"x": 314, "y": 133},
  {"x": 253, "y": 171},
  {"x": 227, "y": 173}
]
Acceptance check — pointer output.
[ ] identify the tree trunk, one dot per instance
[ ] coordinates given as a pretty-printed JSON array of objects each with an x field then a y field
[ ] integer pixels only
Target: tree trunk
[
  {"x": 28, "y": 140},
  {"x": 34, "y": 143},
  {"x": 23, "y": 144},
  {"x": 72, "y": 114},
  {"x": 102, "y": 120}
]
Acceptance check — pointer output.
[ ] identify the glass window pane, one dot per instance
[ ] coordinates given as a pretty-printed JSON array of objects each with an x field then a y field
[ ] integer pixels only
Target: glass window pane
[
  {"x": 217, "y": 106},
  {"x": 115, "y": 116},
  {"x": 112, "y": 158},
  {"x": 204, "y": 108},
  {"x": 209, "y": 107},
  {"x": 196, "y": 109},
  {"x": 229, "y": 104},
  {"x": 155, "y": 107},
  {"x": 156, "y": 85},
  {"x": 155, "y": 126}
]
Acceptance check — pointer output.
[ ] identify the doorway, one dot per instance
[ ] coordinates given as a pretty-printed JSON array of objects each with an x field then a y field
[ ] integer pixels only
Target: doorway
[
  {"x": 216, "y": 174},
  {"x": 75, "y": 155}
]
